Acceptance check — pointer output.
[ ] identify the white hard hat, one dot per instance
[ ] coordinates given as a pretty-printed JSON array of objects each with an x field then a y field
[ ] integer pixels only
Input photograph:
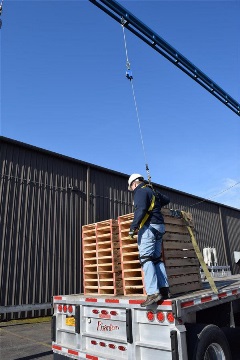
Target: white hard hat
[{"x": 132, "y": 178}]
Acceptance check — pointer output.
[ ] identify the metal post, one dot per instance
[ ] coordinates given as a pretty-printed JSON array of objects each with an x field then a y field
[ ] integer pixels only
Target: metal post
[
  {"x": 223, "y": 237},
  {"x": 88, "y": 195}
]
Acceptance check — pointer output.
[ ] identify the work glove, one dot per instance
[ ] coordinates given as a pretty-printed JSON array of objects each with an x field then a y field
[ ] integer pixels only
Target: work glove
[{"x": 131, "y": 234}]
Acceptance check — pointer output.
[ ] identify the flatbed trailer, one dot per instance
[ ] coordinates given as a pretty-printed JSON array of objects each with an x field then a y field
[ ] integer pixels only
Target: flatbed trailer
[{"x": 196, "y": 325}]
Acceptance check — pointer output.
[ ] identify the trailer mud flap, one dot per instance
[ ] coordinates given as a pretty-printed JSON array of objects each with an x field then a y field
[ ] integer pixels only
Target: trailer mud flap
[
  {"x": 129, "y": 326},
  {"x": 174, "y": 345},
  {"x": 77, "y": 319},
  {"x": 53, "y": 329}
]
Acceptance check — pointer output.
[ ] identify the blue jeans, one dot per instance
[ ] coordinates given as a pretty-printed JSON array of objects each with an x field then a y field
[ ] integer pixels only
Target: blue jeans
[{"x": 150, "y": 244}]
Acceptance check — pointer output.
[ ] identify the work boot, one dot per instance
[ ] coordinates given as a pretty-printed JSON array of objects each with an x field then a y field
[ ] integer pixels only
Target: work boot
[
  {"x": 165, "y": 294},
  {"x": 151, "y": 299}
]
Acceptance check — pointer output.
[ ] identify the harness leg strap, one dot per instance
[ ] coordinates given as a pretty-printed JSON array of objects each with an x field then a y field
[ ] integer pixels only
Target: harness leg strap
[
  {"x": 157, "y": 260},
  {"x": 149, "y": 258},
  {"x": 154, "y": 231}
]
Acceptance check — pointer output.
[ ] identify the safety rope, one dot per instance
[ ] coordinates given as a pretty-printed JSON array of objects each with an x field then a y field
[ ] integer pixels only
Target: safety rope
[
  {"x": 221, "y": 192},
  {"x": 125, "y": 43},
  {"x": 129, "y": 76}
]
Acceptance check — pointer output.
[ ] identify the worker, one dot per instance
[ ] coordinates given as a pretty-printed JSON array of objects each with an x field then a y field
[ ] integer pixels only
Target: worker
[{"x": 148, "y": 221}]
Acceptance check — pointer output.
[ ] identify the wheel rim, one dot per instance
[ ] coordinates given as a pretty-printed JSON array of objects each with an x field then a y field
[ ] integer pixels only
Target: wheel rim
[{"x": 214, "y": 352}]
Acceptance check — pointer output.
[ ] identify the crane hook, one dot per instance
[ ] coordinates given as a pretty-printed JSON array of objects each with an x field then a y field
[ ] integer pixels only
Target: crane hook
[{"x": 128, "y": 71}]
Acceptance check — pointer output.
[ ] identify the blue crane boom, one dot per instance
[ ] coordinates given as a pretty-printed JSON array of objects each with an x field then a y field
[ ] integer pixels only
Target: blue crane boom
[{"x": 132, "y": 23}]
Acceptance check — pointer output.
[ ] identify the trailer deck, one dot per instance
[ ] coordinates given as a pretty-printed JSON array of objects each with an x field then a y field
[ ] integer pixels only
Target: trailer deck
[{"x": 227, "y": 286}]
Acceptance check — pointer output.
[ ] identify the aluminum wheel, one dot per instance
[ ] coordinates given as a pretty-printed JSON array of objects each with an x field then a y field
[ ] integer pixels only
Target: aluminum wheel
[
  {"x": 207, "y": 342},
  {"x": 214, "y": 352}
]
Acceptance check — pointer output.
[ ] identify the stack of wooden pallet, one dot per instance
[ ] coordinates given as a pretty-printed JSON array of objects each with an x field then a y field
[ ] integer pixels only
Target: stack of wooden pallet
[
  {"x": 111, "y": 263},
  {"x": 179, "y": 256},
  {"x": 89, "y": 250},
  {"x": 131, "y": 269},
  {"x": 108, "y": 258},
  {"x": 101, "y": 258}
]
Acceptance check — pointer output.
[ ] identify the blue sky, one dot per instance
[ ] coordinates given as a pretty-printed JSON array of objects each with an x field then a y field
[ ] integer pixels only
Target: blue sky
[{"x": 63, "y": 88}]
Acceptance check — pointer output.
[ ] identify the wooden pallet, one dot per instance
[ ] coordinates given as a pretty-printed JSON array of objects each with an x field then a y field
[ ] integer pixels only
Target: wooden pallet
[
  {"x": 90, "y": 282},
  {"x": 179, "y": 256},
  {"x": 131, "y": 269},
  {"x": 101, "y": 258},
  {"x": 108, "y": 257},
  {"x": 108, "y": 247},
  {"x": 89, "y": 249},
  {"x": 110, "y": 283}
]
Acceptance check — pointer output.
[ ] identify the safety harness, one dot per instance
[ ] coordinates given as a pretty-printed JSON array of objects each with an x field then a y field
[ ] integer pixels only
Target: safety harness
[
  {"x": 145, "y": 258},
  {"x": 149, "y": 210},
  {"x": 149, "y": 258}
]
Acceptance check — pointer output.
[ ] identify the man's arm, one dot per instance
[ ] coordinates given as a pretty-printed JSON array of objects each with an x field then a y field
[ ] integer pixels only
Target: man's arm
[{"x": 164, "y": 199}]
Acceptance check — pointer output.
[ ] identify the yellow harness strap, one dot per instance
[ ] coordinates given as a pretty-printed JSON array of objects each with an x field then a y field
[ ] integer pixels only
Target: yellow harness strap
[
  {"x": 148, "y": 212},
  {"x": 199, "y": 255}
]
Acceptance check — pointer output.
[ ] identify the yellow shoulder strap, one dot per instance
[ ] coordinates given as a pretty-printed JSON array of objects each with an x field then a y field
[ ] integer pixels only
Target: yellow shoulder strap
[{"x": 148, "y": 212}]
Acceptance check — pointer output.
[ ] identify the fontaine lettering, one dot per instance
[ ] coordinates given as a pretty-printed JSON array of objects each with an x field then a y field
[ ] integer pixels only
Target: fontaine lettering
[{"x": 104, "y": 327}]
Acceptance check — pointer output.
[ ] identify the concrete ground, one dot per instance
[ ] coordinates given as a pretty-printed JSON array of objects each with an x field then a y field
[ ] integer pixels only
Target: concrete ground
[
  {"x": 31, "y": 339},
  {"x": 26, "y": 339}
]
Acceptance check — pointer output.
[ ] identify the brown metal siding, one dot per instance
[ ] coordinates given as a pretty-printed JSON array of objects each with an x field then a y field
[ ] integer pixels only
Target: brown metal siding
[{"x": 45, "y": 200}]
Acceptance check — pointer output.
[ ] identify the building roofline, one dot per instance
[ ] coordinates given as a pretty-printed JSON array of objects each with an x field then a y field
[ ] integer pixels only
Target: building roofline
[
  {"x": 101, "y": 168},
  {"x": 57, "y": 155}
]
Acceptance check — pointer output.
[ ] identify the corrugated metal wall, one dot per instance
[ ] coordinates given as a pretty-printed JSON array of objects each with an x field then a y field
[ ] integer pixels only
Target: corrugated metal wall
[
  {"x": 108, "y": 195},
  {"x": 231, "y": 229},
  {"x": 45, "y": 198},
  {"x": 40, "y": 222}
]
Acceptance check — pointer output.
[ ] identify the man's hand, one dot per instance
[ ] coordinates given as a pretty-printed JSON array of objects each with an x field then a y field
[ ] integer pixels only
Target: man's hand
[{"x": 131, "y": 234}]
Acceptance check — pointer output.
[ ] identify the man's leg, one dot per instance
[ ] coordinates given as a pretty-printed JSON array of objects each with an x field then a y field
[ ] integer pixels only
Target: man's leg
[
  {"x": 159, "y": 265},
  {"x": 146, "y": 246}
]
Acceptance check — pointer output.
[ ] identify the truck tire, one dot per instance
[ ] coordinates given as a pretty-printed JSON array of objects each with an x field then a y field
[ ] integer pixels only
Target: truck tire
[
  {"x": 59, "y": 357},
  {"x": 212, "y": 344}
]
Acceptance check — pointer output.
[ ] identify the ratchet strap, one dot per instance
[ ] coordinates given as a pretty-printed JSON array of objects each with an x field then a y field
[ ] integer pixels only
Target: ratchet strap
[{"x": 199, "y": 255}]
